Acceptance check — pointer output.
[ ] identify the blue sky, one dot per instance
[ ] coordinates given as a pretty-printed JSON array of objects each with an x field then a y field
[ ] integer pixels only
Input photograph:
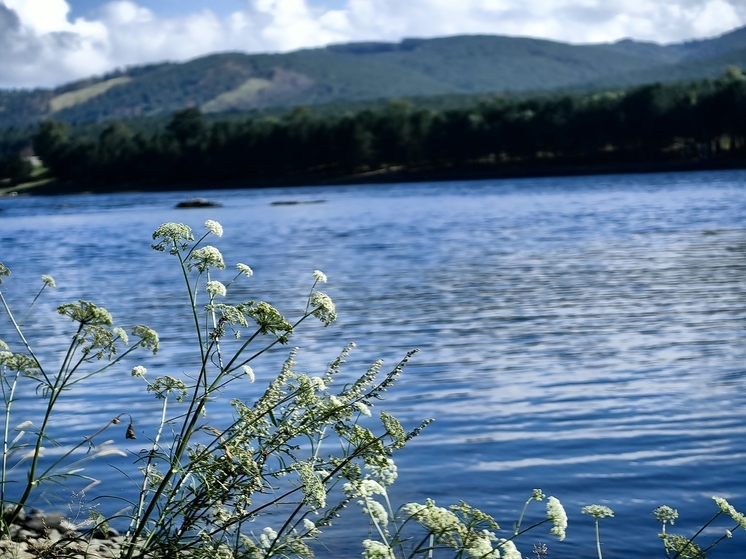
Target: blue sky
[{"x": 44, "y": 43}]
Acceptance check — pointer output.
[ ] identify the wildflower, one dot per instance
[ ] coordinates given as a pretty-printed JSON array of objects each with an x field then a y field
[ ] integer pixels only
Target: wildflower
[
  {"x": 363, "y": 488},
  {"x": 437, "y": 520},
  {"x": 313, "y": 490},
  {"x": 267, "y": 537},
  {"x": 86, "y": 313},
  {"x": 386, "y": 472},
  {"x": 215, "y": 288},
  {"x": 666, "y": 514},
  {"x": 162, "y": 386},
  {"x": 728, "y": 509},
  {"x": 4, "y": 271},
  {"x": 376, "y": 550},
  {"x": 139, "y": 371},
  {"x": 121, "y": 334},
  {"x": 538, "y": 495},
  {"x": 480, "y": 546},
  {"x": 728, "y": 534},
  {"x": 508, "y": 548},
  {"x": 207, "y": 257},
  {"x": 214, "y": 227},
  {"x": 249, "y": 372},
  {"x": 318, "y": 275},
  {"x": 324, "y": 308},
  {"x": 681, "y": 546},
  {"x": 48, "y": 280},
  {"x": 244, "y": 269},
  {"x": 394, "y": 429},
  {"x": 175, "y": 234},
  {"x": 318, "y": 383},
  {"x": 597, "y": 511},
  {"x": 556, "y": 513},
  {"x": 362, "y": 408},
  {"x": 148, "y": 337},
  {"x": 376, "y": 511}
]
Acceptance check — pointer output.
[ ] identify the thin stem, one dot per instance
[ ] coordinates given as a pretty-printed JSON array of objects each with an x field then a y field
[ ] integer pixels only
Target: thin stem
[
  {"x": 8, "y": 398},
  {"x": 691, "y": 540},
  {"x": 17, "y": 328},
  {"x": 598, "y": 541},
  {"x": 148, "y": 466},
  {"x": 32, "y": 303},
  {"x": 520, "y": 518}
]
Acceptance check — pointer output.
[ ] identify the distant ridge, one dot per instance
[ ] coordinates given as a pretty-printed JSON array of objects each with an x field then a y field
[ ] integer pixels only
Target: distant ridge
[{"x": 371, "y": 70}]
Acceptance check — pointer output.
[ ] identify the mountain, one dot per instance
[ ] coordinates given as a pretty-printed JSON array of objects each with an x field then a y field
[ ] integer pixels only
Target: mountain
[{"x": 359, "y": 71}]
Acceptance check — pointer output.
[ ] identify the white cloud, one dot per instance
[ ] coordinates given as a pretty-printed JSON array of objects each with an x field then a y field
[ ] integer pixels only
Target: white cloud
[{"x": 41, "y": 46}]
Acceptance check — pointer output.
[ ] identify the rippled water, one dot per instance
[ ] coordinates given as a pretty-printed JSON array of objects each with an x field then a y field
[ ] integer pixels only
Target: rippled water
[{"x": 582, "y": 335}]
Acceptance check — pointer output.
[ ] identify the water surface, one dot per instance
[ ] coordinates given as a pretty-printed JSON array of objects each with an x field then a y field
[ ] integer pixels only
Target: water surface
[{"x": 582, "y": 335}]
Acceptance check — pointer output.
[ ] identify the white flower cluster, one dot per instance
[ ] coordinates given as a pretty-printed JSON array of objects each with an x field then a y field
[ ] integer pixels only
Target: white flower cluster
[
  {"x": 318, "y": 384},
  {"x": 665, "y": 514},
  {"x": 730, "y": 510},
  {"x": 508, "y": 549},
  {"x": 556, "y": 513},
  {"x": 244, "y": 269},
  {"x": 249, "y": 372},
  {"x": 48, "y": 280},
  {"x": 267, "y": 537},
  {"x": 376, "y": 550},
  {"x": 362, "y": 408},
  {"x": 319, "y": 276},
  {"x": 207, "y": 257},
  {"x": 376, "y": 511},
  {"x": 597, "y": 511},
  {"x": 385, "y": 474},
  {"x": 480, "y": 546},
  {"x": 214, "y": 227},
  {"x": 139, "y": 371},
  {"x": 363, "y": 488},
  {"x": 324, "y": 307},
  {"x": 214, "y": 288},
  {"x": 435, "y": 519}
]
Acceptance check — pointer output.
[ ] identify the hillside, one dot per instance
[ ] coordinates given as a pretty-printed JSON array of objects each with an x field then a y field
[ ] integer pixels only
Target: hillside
[{"x": 360, "y": 71}]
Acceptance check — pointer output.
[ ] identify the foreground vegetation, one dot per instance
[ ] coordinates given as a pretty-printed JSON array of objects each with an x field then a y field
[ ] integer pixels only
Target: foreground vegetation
[{"x": 268, "y": 483}]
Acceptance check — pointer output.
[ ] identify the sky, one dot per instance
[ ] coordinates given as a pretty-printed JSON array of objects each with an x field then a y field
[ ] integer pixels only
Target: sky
[{"x": 45, "y": 43}]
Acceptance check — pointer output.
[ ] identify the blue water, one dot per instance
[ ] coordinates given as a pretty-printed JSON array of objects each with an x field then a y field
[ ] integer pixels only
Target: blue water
[{"x": 582, "y": 335}]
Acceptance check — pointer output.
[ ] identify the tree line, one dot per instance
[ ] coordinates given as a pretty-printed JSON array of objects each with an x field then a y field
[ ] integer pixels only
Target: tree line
[{"x": 657, "y": 123}]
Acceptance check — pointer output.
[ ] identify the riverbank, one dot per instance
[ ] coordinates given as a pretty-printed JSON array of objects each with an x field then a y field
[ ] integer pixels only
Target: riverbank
[{"x": 52, "y": 186}]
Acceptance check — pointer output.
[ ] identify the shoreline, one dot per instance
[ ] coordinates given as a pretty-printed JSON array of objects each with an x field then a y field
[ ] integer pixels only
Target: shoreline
[{"x": 54, "y": 187}]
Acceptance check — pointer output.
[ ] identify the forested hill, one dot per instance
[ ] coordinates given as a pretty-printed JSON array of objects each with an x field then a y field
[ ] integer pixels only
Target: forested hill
[{"x": 358, "y": 71}]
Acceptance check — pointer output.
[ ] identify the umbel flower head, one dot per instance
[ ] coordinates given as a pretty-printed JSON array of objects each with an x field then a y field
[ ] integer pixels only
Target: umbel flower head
[
  {"x": 666, "y": 514},
  {"x": 730, "y": 510},
  {"x": 244, "y": 269},
  {"x": 215, "y": 288},
  {"x": 214, "y": 227},
  {"x": 597, "y": 511},
  {"x": 48, "y": 280},
  {"x": 206, "y": 257}
]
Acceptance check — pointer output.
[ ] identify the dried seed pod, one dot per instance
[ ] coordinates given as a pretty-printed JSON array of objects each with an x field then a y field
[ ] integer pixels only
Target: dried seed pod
[{"x": 130, "y": 432}]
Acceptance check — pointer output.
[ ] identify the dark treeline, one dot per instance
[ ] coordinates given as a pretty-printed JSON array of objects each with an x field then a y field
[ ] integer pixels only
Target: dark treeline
[{"x": 651, "y": 124}]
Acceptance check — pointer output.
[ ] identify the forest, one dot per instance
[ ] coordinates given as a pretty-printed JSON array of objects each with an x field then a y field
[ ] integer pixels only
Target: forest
[{"x": 701, "y": 122}]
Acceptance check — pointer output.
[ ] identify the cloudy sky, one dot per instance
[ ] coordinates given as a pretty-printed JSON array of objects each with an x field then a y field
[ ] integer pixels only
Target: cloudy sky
[{"x": 49, "y": 42}]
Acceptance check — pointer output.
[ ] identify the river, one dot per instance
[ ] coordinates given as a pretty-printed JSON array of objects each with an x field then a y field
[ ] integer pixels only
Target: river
[{"x": 583, "y": 335}]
